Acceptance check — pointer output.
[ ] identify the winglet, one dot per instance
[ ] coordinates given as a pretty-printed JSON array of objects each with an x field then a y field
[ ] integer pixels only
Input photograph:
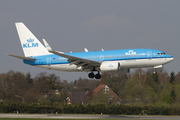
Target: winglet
[{"x": 47, "y": 45}]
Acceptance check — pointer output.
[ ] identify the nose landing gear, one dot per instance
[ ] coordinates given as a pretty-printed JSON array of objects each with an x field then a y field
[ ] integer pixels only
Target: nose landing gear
[{"x": 154, "y": 72}]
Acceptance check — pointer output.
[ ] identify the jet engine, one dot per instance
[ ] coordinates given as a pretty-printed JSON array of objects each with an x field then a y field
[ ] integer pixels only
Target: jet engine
[{"x": 109, "y": 66}]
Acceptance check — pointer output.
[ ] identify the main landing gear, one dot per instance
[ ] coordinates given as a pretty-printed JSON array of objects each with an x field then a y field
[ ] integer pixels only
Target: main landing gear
[{"x": 97, "y": 76}]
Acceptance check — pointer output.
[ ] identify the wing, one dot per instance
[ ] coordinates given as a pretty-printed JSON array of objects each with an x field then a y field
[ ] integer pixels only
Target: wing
[{"x": 86, "y": 64}]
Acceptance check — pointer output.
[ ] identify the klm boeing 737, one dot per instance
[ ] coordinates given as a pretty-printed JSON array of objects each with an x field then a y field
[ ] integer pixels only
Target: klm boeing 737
[{"x": 96, "y": 61}]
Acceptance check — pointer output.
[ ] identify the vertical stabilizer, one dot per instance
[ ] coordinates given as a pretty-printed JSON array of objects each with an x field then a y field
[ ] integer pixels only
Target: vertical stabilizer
[{"x": 30, "y": 44}]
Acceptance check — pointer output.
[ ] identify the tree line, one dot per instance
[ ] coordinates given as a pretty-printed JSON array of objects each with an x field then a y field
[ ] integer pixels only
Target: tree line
[{"x": 139, "y": 88}]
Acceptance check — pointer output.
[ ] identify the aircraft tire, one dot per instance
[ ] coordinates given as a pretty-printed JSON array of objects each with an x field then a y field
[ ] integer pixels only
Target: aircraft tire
[
  {"x": 154, "y": 72},
  {"x": 97, "y": 76},
  {"x": 91, "y": 75}
]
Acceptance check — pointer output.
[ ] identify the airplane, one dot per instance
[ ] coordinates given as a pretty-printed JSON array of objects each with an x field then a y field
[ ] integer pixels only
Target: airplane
[{"x": 44, "y": 56}]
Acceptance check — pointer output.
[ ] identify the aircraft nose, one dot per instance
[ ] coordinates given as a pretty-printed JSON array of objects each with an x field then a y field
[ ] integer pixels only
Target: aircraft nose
[{"x": 171, "y": 58}]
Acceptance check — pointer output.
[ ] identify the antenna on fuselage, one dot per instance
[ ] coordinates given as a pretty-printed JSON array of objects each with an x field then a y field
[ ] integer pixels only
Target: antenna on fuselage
[{"x": 86, "y": 50}]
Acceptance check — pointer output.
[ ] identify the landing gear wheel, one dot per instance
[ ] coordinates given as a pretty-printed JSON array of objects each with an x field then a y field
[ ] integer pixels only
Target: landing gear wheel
[
  {"x": 98, "y": 76},
  {"x": 91, "y": 75}
]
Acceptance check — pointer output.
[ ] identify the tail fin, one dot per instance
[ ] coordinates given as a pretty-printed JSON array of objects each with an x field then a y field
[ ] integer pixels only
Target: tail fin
[{"x": 30, "y": 44}]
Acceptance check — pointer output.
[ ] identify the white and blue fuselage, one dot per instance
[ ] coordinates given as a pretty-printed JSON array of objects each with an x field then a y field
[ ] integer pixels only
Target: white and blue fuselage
[{"x": 128, "y": 58}]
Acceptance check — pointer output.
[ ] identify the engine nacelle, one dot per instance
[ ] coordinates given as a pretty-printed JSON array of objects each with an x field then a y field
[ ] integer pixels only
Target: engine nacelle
[{"x": 109, "y": 66}]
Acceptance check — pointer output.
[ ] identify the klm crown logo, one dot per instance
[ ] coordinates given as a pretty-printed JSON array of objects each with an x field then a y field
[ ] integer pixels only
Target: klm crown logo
[
  {"x": 47, "y": 46},
  {"x": 131, "y": 52},
  {"x": 30, "y": 40},
  {"x": 30, "y": 43},
  {"x": 110, "y": 65}
]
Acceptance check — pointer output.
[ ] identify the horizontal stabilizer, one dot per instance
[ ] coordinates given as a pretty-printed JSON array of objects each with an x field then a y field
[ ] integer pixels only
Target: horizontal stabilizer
[{"x": 21, "y": 57}]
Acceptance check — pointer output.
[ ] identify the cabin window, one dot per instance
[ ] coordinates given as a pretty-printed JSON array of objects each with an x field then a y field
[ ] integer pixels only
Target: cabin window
[{"x": 161, "y": 53}]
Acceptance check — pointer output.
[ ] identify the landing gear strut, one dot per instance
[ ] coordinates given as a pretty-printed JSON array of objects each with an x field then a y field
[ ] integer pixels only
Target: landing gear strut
[{"x": 97, "y": 76}]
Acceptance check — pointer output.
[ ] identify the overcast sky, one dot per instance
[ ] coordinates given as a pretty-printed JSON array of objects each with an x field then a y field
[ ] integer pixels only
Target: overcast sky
[{"x": 72, "y": 25}]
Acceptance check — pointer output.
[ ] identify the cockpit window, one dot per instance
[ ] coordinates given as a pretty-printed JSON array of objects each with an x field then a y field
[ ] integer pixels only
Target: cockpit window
[{"x": 161, "y": 53}]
